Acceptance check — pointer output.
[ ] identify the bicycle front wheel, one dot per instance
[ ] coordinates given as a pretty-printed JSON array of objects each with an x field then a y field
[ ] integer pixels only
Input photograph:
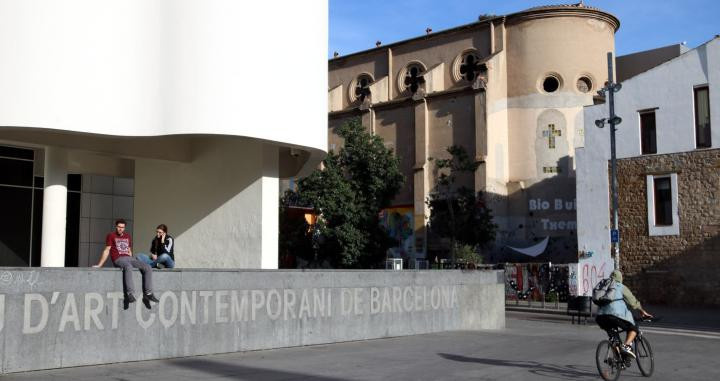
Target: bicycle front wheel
[
  {"x": 608, "y": 361},
  {"x": 644, "y": 354}
]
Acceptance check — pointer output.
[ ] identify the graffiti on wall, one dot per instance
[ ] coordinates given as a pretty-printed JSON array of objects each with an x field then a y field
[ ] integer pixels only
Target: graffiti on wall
[
  {"x": 533, "y": 280},
  {"x": 18, "y": 281},
  {"x": 591, "y": 274},
  {"x": 399, "y": 223},
  {"x": 573, "y": 279}
]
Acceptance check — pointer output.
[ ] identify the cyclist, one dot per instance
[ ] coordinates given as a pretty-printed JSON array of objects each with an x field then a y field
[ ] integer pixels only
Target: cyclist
[{"x": 617, "y": 313}]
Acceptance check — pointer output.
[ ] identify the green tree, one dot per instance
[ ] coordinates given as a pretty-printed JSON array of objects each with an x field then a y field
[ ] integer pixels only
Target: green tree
[
  {"x": 348, "y": 194},
  {"x": 456, "y": 211}
]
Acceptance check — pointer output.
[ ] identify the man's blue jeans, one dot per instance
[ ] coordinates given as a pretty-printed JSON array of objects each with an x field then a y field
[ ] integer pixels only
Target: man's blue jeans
[{"x": 162, "y": 259}]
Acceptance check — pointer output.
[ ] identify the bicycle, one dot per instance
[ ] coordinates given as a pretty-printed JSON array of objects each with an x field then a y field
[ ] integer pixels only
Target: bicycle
[{"x": 611, "y": 360}]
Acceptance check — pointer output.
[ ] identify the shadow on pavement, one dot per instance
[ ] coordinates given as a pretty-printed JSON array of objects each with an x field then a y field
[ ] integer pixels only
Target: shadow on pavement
[
  {"x": 562, "y": 372},
  {"x": 239, "y": 372},
  {"x": 677, "y": 317}
]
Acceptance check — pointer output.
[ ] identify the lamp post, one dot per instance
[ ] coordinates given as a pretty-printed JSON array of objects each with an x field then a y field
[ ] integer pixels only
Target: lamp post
[{"x": 613, "y": 120}]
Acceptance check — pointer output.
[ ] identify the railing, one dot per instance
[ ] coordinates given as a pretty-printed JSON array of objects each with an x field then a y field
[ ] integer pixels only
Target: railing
[{"x": 537, "y": 285}]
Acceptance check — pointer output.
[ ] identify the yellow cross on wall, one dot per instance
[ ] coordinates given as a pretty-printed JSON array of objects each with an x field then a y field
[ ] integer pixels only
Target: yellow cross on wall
[{"x": 551, "y": 133}]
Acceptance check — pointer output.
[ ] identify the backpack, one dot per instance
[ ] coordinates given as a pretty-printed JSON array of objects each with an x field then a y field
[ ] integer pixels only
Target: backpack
[{"x": 603, "y": 293}]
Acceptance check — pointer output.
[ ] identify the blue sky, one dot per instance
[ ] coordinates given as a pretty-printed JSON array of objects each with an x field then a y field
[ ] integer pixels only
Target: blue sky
[{"x": 355, "y": 25}]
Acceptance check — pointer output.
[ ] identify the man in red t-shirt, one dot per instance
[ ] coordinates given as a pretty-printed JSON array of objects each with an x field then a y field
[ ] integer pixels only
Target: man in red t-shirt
[{"x": 118, "y": 245}]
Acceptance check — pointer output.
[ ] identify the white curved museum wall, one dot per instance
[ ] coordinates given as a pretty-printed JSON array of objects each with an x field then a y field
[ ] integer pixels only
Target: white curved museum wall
[
  {"x": 166, "y": 67},
  {"x": 202, "y": 97}
]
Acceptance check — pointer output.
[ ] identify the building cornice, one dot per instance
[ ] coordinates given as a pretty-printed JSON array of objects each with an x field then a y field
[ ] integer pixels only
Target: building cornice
[
  {"x": 340, "y": 60},
  {"x": 569, "y": 10},
  {"x": 566, "y": 10}
]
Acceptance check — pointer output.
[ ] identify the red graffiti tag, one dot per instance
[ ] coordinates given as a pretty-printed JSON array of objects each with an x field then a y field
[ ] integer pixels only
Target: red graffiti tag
[{"x": 591, "y": 276}]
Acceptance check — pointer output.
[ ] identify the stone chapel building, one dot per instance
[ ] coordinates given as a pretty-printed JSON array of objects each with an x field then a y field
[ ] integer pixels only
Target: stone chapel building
[{"x": 511, "y": 91}]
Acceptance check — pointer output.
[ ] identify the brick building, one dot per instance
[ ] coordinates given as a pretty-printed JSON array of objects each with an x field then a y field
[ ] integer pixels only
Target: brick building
[{"x": 668, "y": 147}]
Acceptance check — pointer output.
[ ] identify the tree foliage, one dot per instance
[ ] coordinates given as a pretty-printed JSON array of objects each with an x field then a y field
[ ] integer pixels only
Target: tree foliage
[
  {"x": 348, "y": 194},
  {"x": 456, "y": 211}
]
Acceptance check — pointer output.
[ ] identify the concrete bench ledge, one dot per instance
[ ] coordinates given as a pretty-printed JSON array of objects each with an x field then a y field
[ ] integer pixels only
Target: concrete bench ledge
[{"x": 52, "y": 318}]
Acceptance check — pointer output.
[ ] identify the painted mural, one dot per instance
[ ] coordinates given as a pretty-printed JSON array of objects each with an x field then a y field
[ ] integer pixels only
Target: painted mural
[{"x": 399, "y": 223}]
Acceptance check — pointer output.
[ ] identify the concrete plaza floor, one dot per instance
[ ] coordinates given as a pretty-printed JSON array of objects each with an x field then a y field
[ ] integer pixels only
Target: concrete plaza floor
[{"x": 532, "y": 347}]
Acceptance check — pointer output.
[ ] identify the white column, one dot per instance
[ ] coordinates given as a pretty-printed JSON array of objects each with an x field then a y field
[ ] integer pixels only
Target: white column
[
  {"x": 54, "y": 208},
  {"x": 270, "y": 204}
]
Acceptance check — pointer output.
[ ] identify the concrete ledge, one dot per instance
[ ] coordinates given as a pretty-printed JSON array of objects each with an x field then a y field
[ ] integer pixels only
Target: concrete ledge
[{"x": 53, "y": 318}]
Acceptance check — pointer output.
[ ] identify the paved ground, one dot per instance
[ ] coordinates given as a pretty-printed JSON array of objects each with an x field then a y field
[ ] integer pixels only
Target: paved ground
[{"x": 533, "y": 347}]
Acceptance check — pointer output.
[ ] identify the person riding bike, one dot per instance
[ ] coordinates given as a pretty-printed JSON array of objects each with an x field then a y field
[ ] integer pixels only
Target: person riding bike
[{"x": 617, "y": 314}]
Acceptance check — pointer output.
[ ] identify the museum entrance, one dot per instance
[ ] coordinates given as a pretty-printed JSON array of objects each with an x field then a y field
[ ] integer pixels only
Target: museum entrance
[{"x": 21, "y": 206}]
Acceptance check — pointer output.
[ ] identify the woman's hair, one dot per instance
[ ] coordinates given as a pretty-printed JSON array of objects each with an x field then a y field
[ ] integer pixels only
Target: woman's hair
[{"x": 162, "y": 227}]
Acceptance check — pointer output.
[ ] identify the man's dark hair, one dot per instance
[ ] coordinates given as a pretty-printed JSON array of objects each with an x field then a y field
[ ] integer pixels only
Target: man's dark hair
[
  {"x": 162, "y": 227},
  {"x": 120, "y": 221}
]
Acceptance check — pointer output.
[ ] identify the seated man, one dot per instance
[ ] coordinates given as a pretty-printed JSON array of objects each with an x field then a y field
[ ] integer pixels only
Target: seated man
[
  {"x": 162, "y": 249},
  {"x": 118, "y": 245},
  {"x": 616, "y": 313}
]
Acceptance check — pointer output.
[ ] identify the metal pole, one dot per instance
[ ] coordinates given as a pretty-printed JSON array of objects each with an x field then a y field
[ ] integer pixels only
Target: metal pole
[{"x": 613, "y": 159}]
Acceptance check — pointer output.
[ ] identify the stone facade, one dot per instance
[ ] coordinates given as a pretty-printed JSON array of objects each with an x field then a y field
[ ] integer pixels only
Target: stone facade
[
  {"x": 510, "y": 90},
  {"x": 672, "y": 269}
]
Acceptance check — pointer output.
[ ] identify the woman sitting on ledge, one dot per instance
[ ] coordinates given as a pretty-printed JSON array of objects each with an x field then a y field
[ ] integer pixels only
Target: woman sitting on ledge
[{"x": 162, "y": 249}]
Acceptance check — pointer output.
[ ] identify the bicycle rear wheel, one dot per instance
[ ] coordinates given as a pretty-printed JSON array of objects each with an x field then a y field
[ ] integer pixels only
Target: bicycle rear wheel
[
  {"x": 644, "y": 354},
  {"x": 608, "y": 361}
]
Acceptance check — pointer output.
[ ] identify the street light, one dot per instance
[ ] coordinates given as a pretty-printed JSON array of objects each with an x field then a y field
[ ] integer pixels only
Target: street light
[{"x": 613, "y": 120}]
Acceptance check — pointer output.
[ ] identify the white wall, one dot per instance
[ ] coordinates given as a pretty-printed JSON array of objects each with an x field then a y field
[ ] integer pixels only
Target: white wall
[
  {"x": 220, "y": 207},
  {"x": 150, "y": 81},
  {"x": 167, "y": 67},
  {"x": 669, "y": 87},
  {"x": 593, "y": 202}
]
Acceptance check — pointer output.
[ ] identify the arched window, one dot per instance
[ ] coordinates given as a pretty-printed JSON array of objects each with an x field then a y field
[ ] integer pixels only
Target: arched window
[
  {"x": 359, "y": 89},
  {"x": 362, "y": 87},
  {"x": 471, "y": 67},
  {"x": 413, "y": 79}
]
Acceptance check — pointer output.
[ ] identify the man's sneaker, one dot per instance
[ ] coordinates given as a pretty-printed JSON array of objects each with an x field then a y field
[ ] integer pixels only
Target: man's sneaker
[
  {"x": 147, "y": 298},
  {"x": 151, "y": 297},
  {"x": 129, "y": 298},
  {"x": 625, "y": 349}
]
